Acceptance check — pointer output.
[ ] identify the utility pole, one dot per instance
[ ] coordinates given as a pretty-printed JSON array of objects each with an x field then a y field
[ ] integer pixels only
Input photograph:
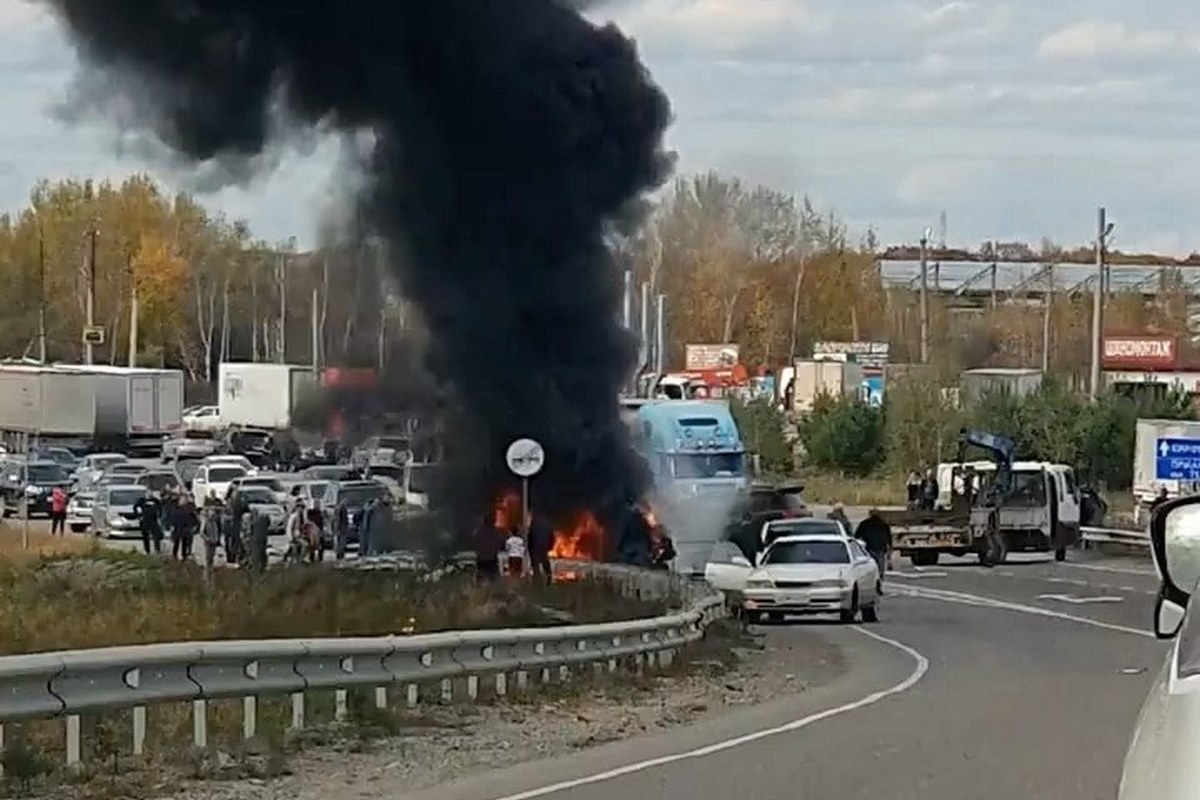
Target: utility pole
[
  {"x": 41, "y": 294},
  {"x": 1047, "y": 300},
  {"x": 316, "y": 333},
  {"x": 660, "y": 334},
  {"x": 925, "y": 297},
  {"x": 1103, "y": 229},
  {"x": 133, "y": 315},
  {"x": 281, "y": 281},
  {"x": 89, "y": 260}
]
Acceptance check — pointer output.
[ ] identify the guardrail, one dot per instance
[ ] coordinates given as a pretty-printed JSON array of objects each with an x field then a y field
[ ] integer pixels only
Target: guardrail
[
  {"x": 68, "y": 683},
  {"x": 1139, "y": 539}
]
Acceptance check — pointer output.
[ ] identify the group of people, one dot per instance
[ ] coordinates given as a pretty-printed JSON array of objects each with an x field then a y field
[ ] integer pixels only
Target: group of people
[
  {"x": 922, "y": 490},
  {"x": 519, "y": 549},
  {"x": 307, "y": 537},
  {"x": 230, "y": 524}
]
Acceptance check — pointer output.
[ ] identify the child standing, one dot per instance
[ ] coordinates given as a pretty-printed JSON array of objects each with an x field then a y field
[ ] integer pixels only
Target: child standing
[{"x": 514, "y": 553}]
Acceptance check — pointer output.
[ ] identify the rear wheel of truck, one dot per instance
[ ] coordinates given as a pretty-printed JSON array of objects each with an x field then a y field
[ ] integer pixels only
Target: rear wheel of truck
[
  {"x": 1060, "y": 554},
  {"x": 871, "y": 613},
  {"x": 924, "y": 558},
  {"x": 775, "y": 616},
  {"x": 753, "y": 617}
]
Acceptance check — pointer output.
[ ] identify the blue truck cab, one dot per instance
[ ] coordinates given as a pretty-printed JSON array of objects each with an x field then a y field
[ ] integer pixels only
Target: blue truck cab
[{"x": 698, "y": 460}]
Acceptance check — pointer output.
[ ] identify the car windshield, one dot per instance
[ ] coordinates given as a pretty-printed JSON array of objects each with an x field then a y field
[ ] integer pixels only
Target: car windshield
[
  {"x": 125, "y": 497},
  {"x": 826, "y": 552},
  {"x": 328, "y": 473},
  {"x": 270, "y": 484},
  {"x": 707, "y": 465},
  {"x": 187, "y": 468},
  {"x": 44, "y": 473},
  {"x": 225, "y": 474},
  {"x": 317, "y": 489},
  {"x": 257, "y": 494},
  {"x": 359, "y": 495},
  {"x": 59, "y": 456},
  {"x": 126, "y": 469},
  {"x": 387, "y": 471},
  {"x": 806, "y": 527},
  {"x": 393, "y": 443},
  {"x": 420, "y": 479},
  {"x": 157, "y": 481}
]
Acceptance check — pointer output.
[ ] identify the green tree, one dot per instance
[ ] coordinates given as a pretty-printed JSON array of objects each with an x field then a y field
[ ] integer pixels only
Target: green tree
[
  {"x": 845, "y": 434},
  {"x": 761, "y": 427}
]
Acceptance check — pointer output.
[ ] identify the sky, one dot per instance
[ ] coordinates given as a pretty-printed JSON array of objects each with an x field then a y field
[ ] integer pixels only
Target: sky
[{"x": 1016, "y": 117}]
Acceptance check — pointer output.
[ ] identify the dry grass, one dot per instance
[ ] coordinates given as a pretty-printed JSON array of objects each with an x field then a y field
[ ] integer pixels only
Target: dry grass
[
  {"x": 107, "y": 598},
  {"x": 41, "y": 542},
  {"x": 825, "y": 487}
]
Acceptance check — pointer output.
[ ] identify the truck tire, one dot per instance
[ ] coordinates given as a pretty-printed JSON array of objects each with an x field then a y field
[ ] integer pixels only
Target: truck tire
[
  {"x": 924, "y": 558},
  {"x": 1060, "y": 554}
]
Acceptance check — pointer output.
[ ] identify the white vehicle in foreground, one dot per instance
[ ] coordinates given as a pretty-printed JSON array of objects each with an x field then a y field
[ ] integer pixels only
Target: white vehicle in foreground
[
  {"x": 1161, "y": 763},
  {"x": 803, "y": 575}
]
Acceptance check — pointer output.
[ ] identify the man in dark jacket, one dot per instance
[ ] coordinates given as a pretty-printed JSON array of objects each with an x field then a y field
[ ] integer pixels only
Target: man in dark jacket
[
  {"x": 876, "y": 536},
  {"x": 541, "y": 542},
  {"x": 184, "y": 524},
  {"x": 489, "y": 541},
  {"x": 149, "y": 511},
  {"x": 635, "y": 541},
  {"x": 260, "y": 530}
]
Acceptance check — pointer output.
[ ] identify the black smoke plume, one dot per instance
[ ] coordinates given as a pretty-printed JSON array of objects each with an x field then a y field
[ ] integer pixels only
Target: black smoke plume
[{"x": 510, "y": 137}]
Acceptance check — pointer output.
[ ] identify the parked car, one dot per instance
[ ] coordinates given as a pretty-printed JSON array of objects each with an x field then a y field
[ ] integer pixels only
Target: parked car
[
  {"x": 189, "y": 445},
  {"x": 356, "y": 495},
  {"x": 113, "y": 511},
  {"x": 25, "y": 486},
  {"x": 59, "y": 455},
  {"x": 214, "y": 479},
  {"x": 92, "y": 466},
  {"x": 79, "y": 511},
  {"x": 262, "y": 500},
  {"x": 201, "y": 418},
  {"x": 1161, "y": 761},
  {"x": 160, "y": 480},
  {"x": 334, "y": 472},
  {"x": 760, "y": 504},
  {"x": 307, "y": 491},
  {"x": 801, "y": 526}
]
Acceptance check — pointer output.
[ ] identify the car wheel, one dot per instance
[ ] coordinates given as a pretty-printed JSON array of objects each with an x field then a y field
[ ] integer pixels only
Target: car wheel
[
  {"x": 753, "y": 617},
  {"x": 1060, "y": 554},
  {"x": 871, "y": 613},
  {"x": 775, "y": 616},
  {"x": 924, "y": 558},
  {"x": 848, "y": 615},
  {"x": 4, "y": 509},
  {"x": 76, "y": 528}
]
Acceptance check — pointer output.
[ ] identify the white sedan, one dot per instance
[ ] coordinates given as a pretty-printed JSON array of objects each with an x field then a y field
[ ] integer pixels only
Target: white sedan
[{"x": 802, "y": 575}]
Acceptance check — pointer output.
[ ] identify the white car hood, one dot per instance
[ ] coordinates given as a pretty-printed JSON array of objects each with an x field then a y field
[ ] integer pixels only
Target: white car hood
[{"x": 802, "y": 572}]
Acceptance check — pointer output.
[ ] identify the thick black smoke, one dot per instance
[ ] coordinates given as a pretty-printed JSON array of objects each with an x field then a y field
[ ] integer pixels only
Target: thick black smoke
[{"x": 510, "y": 136}]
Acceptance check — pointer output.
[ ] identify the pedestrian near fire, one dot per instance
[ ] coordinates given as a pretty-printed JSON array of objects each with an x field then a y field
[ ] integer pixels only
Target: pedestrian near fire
[
  {"x": 541, "y": 542},
  {"x": 514, "y": 553},
  {"x": 489, "y": 543}
]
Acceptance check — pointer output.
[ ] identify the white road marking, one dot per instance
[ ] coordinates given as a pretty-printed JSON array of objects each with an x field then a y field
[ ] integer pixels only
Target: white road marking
[
  {"x": 989, "y": 602},
  {"x": 1105, "y": 568},
  {"x": 920, "y": 574},
  {"x": 1070, "y": 598},
  {"x": 922, "y": 666},
  {"x": 1072, "y": 581}
]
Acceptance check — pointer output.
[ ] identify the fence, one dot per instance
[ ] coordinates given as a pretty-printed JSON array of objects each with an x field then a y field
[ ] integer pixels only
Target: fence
[{"x": 69, "y": 683}]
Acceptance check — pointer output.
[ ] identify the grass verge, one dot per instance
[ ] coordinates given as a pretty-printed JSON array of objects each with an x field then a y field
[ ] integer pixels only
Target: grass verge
[{"x": 829, "y": 488}]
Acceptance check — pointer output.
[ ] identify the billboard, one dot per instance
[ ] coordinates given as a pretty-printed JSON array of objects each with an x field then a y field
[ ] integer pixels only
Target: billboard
[
  {"x": 1143, "y": 352},
  {"x": 710, "y": 356},
  {"x": 869, "y": 354}
]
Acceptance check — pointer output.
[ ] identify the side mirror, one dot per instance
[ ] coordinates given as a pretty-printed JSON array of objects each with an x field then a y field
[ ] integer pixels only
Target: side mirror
[
  {"x": 1175, "y": 543},
  {"x": 740, "y": 561}
]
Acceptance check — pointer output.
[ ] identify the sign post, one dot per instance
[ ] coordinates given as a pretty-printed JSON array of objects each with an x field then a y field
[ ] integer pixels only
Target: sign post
[
  {"x": 1177, "y": 459},
  {"x": 525, "y": 458}
]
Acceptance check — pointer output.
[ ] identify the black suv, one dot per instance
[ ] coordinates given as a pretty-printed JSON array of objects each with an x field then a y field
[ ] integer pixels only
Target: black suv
[
  {"x": 762, "y": 503},
  {"x": 26, "y": 486}
]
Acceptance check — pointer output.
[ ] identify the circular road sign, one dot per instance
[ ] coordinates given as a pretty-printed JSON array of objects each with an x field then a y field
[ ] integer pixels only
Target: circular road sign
[{"x": 525, "y": 458}]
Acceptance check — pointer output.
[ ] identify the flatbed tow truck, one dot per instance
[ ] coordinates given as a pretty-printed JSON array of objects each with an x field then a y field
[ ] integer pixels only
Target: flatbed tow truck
[{"x": 1033, "y": 508}]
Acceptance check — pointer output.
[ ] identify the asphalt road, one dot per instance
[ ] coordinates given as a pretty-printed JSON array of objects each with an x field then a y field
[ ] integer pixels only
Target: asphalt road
[{"x": 1017, "y": 682}]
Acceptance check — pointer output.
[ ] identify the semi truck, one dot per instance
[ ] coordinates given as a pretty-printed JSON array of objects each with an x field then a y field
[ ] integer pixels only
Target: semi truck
[
  {"x": 264, "y": 396},
  {"x": 42, "y": 404},
  {"x": 135, "y": 407}
]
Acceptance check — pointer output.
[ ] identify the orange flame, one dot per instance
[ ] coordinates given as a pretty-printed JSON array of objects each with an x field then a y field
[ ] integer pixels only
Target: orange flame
[{"x": 580, "y": 540}]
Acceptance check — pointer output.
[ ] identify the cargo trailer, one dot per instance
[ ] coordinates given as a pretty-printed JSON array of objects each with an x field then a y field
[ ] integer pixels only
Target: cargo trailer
[
  {"x": 47, "y": 405},
  {"x": 266, "y": 396},
  {"x": 135, "y": 406}
]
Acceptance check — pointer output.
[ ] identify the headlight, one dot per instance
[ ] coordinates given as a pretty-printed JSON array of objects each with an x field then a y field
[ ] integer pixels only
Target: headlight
[
  {"x": 33, "y": 490},
  {"x": 831, "y": 583},
  {"x": 759, "y": 583}
]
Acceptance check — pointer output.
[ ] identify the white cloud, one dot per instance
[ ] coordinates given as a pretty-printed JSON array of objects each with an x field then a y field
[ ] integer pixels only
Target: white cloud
[
  {"x": 1093, "y": 38},
  {"x": 22, "y": 14}
]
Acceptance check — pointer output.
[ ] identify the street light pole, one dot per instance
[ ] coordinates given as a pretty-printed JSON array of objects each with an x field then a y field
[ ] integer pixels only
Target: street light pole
[
  {"x": 925, "y": 297},
  {"x": 1103, "y": 229}
]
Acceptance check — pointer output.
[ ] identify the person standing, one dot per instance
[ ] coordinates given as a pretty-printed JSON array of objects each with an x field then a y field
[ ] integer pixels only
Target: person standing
[
  {"x": 210, "y": 533},
  {"x": 293, "y": 528},
  {"x": 912, "y": 488},
  {"x": 341, "y": 529},
  {"x": 260, "y": 531},
  {"x": 316, "y": 516},
  {"x": 514, "y": 553},
  {"x": 928, "y": 494},
  {"x": 876, "y": 536},
  {"x": 489, "y": 542},
  {"x": 838, "y": 514},
  {"x": 58, "y": 510},
  {"x": 149, "y": 511},
  {"x": 541, "y": 542},
  {"x": 184, "y": 524}
]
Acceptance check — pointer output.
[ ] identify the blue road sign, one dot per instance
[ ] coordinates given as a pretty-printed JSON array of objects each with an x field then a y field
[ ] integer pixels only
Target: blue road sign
[{"x": 1177, "y": 459}]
